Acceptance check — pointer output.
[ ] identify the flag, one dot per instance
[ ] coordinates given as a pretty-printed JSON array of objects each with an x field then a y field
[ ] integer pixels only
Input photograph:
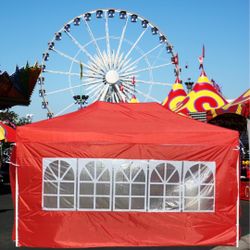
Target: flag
[
  {"x": 175, "y": 59},
  {"x": 121, "y": 87},
  {"x": 133, "y": 80},
  {"x": 81, "y": 71},
  {"x": 201, "y": 58}
]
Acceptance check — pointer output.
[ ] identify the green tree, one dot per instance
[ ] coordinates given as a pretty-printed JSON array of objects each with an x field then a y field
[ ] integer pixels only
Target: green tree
[{"x": 12, "y": 118}]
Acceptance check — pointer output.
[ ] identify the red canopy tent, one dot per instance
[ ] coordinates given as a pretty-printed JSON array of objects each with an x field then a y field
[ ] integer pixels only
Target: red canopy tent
[{"x": 125, "y": 175}]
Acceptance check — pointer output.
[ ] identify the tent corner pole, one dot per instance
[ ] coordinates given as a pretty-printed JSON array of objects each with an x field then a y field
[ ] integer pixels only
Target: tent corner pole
[
  {"x": 16, "y": 208},
  {"x": 238, "y": 203}
]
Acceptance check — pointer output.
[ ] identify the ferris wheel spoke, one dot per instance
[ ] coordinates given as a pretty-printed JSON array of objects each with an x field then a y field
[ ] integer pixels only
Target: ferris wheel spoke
[
  {"x": 96, "y": 45},
  {"x": 62, "y": 90},
  {"x": 94, "y": 89},
  {"x": 147, "y": 96},
  {"x": 95, "y": 70},
  {"x": 119, "y": 97},
  {"x": 96, "y": 64},
  {"x": 74, "y": 60},
  {"x": 129, "y": 80},
  {"x": 153, "y": 82},
  {"x": 110, "y": 96},
  {"x": 146, "y": 69},
  {"x": 102, "y": 93},
  {"x": 95, "y": 94},
  {"x": 124, "y": 63},
  {"x": 120, "y": 42},
  {"x": 63, "y": 73},
  {"x": 129, "y": 70},
  {"x": 72, "y": 74},
  {"x": 135, "y": 43},
  {"x": 126, "y": 94},
  {"x": 107, "y": 34},
  {"x": 128, "y": 88},
  {"x": 82, "y": 48},
  {"x": 120, "y": 94},
  {"x": 65, "y": 109},
  {"x": 93, "y": 85},
  {"x": 116, "y": 97},
  {"x": 70, "y": 88},
  {"x": 158, "y": 56},
  {"x": 141, "y": 57},
  {"x": 66, "y": 56},
  {"x": 120, "y": 58}
]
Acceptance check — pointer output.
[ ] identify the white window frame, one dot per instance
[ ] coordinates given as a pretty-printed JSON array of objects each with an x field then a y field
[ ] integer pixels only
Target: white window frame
[
  {"x": 114, "y": 166},
  {"x": 152, "y": 166},
  {"x": 212, "y": 167},
  {"x": 117, "y": 168},
  {"x": 81, "y": 166},
  {"x": 73, "y": 164}
]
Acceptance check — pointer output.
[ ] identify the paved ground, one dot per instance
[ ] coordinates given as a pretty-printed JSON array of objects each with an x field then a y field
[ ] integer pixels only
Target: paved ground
[{"x": 6, "y": 222}]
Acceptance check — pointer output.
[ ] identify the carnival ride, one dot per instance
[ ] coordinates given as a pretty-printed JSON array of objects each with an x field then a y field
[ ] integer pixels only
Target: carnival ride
[
  {"x": 16, "y": 89},
  {"x": 108, "y": 55}
]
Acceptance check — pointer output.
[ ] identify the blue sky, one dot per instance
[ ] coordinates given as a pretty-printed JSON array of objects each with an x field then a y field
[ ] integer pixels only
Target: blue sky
[{"x": 223, "y": 26}]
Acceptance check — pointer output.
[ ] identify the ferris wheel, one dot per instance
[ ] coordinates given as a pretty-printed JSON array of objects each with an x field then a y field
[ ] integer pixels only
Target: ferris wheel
[{"x": 108, "y": 55}]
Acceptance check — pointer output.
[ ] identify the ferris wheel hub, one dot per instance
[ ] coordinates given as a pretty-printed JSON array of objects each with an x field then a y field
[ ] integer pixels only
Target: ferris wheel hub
[{"x": 112, "y": 77}]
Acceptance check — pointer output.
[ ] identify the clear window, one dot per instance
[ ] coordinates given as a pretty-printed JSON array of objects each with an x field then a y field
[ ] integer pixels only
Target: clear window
[
  {"x": 59, "y": 184},
  {"x": 164, "y": 188},
  {"x": 199, "y": 186},
  {"x": 94, "y": 185},
  {"x": 130, "y": 178}
]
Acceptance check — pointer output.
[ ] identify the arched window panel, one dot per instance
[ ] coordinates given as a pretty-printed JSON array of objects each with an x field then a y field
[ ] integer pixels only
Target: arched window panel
[
  {"x": 94, "y": 184},
  {"x": 59, "y": 184},
  {"x": 207, "y": 173},
  {"x": 51, "y": 170},
  {"x": 130, "y": 185},
  {"x": 164, "y": 189},
  {"x": 199, "y": 186}
]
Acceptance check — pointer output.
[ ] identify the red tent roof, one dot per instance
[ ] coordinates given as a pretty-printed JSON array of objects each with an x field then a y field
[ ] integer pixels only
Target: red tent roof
[
  {"x": 204, "y": 96},
  {"x": 122, "y": 123}
]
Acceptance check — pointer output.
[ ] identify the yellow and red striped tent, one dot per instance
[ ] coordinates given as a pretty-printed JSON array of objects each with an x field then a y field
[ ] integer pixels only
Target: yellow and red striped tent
[
  {"x": 175, "y": 96},
  {"x": 203, "y": 97}
]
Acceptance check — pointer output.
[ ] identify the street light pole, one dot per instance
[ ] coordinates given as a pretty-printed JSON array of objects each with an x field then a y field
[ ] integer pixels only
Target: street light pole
[
  {"x": 81, "y": 100},
  {"x": 189, "y": 85}
]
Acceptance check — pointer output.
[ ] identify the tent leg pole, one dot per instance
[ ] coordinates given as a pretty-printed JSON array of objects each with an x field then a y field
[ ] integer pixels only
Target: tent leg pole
[
  {"x": 238, "y": 203},
  {"x": 16, "y": 210}
]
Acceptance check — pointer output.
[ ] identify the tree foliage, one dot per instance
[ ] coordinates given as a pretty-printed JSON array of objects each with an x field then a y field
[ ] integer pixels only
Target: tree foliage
[{"x": 13, "y": 119}]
